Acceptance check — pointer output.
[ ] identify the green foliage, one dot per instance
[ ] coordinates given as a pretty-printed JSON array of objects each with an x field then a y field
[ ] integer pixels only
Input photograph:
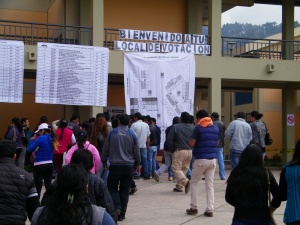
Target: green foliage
[{"x": 247, "y": 30}]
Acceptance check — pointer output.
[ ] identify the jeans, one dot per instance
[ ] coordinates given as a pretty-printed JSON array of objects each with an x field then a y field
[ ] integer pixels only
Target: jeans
[
  {"x": 103, "y": 173},
  {"x": 170, "y": 171},
  {"x": 166, "y": 165},
  {"x": 207, "y": 168},
  {"x": 118, "y": 184},
  {"x": 40, "y": 173},
  {"x": 221, "y": 163},
  {"x": 234, "y": 157},
  {"x": 151, "y": 158},
  {"x": 144, "y": 162}
]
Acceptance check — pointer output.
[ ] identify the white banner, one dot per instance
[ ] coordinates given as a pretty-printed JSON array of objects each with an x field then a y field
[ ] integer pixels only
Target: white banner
[
  {"x": 71, "y": 74},
  {"x": 11, "y": 71},
  {"x": 159, "y": 85}
]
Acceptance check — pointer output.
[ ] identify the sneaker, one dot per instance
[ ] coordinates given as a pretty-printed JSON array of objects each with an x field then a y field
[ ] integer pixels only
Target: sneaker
[
  {"x": 133, "y": 190},
  {"x": 170, "y": 178},
  {"x": 187, "y": 187},
  {"x": 177, "y": 190},
  {"x": 222, "y": 178},
  {"x": 192, "y": 211},
  {"x": 147, "y": 178},
  {"x": 208, "y": 214},
  {"x": 156, "y": 177}
]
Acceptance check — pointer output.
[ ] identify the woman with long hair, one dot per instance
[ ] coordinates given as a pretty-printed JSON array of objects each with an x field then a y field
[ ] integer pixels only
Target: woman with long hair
[
  {"x": 289, "y": 188},
  {"x": 248, "y": 188},
  {"x": 70, "y": 204},
  {"x": 65, "y": 137},
  {"x": 43, "y": 144},
  {"x": 98, "y": 136},
  {"x": 259, "y": 131},
  {"x": 15, "y": 134},
  {"x": 82, "y": 142}
]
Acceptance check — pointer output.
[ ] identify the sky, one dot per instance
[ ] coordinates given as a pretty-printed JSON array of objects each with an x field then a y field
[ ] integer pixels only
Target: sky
[{"x": 258, "y": 14}]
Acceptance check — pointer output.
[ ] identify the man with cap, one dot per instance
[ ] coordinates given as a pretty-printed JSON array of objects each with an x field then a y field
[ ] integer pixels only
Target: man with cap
[
  {"x": 215, "y": 118},
  {"x": 18, "y": 195}
]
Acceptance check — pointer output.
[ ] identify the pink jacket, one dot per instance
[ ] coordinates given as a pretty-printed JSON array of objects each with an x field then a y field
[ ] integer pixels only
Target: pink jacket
[{"x": 92, "y": 149}]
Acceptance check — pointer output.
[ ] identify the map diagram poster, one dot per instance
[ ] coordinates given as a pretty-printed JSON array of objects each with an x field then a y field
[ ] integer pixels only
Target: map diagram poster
[
  {"x": 159, "y": 85},
  {"x": 71, "y": 74},
  {"x": 11, "y": 71}
]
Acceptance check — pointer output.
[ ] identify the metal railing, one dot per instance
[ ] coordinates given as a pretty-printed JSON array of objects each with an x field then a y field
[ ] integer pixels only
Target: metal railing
[
  {"x": 260, "y": 48},
  {"x": 31, "y": 33},
  {"x": 236, "y": 47}
]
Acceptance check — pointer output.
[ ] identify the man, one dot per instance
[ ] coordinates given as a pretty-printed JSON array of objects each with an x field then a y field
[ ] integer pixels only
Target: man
[
  {"x": 215, "y": 117},
  {"x": 142, "y": 131},
  {"x": 26, "y": 136},
  {"x": 167, "y": 153},
  {"x": 18, "y": 194},
  {"x": 178, "y": 143},
  {"x": 240, "y": 134},
  {"x": 74, "y": 123},
  {"x": 204, "y": 140},
  {"x": 152, "y": 152},
  {"x": 121, "y": 146}
]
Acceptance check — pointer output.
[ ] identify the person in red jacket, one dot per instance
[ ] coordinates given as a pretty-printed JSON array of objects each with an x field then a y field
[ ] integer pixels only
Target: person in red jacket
[{"x": 65, "y": 138}]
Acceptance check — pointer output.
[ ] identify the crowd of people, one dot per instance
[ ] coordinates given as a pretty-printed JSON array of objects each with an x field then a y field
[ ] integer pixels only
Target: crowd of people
[{"x": 96, "y": 162}]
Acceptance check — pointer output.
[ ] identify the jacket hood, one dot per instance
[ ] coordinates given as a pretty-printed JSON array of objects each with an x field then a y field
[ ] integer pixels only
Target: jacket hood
[{"x": 205, "y": 122}]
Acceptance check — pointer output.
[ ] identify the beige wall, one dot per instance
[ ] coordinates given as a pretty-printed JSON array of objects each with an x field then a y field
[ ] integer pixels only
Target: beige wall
[
  {"x": 25, "y": 16},
  {"x": 55, "y": 12},
  {"x": 156, "y": 15}
]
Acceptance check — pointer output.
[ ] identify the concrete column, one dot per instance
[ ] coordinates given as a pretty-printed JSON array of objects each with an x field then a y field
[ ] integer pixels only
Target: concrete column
[
  {"x": 214, "y": 26},
  {"x": 288, "y": 29},
  {"x": 194, "y": 16},
  {"x": 98, "y": 34},
  {"x": 214, "y": 95},
  {"x": 288, "y": 132}
]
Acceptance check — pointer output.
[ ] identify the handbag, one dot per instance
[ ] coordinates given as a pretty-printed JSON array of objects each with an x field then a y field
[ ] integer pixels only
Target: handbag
[
  {"x": 269, "y": 197},
  {"x": 268, "y": 139}
]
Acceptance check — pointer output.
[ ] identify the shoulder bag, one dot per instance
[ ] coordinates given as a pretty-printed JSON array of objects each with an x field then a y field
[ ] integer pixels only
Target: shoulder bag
[{"x": 268, "y": 139}]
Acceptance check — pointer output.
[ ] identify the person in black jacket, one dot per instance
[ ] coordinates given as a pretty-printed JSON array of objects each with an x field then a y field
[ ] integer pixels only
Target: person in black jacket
[
  {"x": 18, "y": 195},
  {"x": 247, "y": 189},
  {"x": 97, "y": 190}
]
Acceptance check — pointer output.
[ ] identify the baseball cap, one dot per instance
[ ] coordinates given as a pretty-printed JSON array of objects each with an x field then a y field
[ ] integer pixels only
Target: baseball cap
[{"x": 42, "y": 127}]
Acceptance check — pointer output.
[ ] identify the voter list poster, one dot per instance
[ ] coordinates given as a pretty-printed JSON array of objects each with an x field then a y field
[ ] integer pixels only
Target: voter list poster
[
  {"x": 11, "y": 71},
  {"x": 71, "y": 74}
]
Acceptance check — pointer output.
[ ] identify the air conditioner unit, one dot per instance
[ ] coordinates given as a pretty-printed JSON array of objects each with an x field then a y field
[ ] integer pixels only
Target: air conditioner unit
[
  {"x": 32, "y": 56},
  {"x": 270, "y": 68}
]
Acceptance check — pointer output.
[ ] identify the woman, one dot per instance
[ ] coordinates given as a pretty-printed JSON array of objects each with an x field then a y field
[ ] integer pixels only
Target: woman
[
  {"x": 65, "y": 137},
  {"x": 15, "y": 134},
  {"x": 43, "y": 144},
  {"x": 259, "y": 131},
  {"x": 70, "y": 204},
  {"x": 289, "y": 188},
  {"x": 247, "y": 190},
  {"x": 98, "y": 136},
  {"x": 84, "y": 143}
]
